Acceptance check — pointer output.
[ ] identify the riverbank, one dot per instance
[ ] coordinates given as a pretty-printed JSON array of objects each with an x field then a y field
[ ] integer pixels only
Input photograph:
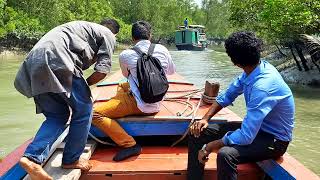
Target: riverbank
[
  {"x": 288, "y": 69},
  {"x": 13, "y": 51},
  {"x": 286, "y": 65}
]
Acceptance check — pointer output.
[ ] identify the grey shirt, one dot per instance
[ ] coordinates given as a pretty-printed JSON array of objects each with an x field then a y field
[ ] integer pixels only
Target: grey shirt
[{"x": 65, "y": 51}]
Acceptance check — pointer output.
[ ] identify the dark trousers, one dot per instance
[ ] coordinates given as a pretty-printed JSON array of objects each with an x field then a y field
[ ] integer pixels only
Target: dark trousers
[{"x": 264, "y": 146}]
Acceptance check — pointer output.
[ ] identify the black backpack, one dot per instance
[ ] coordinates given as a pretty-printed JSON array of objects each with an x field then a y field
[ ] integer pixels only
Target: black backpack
[{"x": 153, "y": 83}]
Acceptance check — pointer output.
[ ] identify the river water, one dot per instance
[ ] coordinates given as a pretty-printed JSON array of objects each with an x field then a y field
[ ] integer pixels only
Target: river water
[{"x": 18, "y": 121}]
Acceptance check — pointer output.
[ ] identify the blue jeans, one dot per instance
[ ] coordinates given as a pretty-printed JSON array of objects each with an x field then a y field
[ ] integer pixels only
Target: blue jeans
[{"x": 55, "y": 108}]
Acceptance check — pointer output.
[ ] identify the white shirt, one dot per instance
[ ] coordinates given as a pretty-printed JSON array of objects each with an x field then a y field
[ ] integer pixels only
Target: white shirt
[{"x": 128, "y": 61}]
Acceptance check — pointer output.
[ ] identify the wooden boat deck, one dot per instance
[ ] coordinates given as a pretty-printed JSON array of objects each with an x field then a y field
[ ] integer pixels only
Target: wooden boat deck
[
  {"x": 166, "y": 121},
  {"x": 159, "y": 162}
]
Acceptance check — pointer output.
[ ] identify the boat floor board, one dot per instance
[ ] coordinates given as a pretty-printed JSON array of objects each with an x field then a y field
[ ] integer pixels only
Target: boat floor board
[
  {"x": 156, "y": 163},
  {"x": 53, "y": 166}
]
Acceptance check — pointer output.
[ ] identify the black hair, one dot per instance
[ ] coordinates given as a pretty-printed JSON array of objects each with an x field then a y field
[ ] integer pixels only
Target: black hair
[
  {"x": 243, "y": 48},
  {"x": 141, "y": 30},
  {"x": 112, "y": 24}
]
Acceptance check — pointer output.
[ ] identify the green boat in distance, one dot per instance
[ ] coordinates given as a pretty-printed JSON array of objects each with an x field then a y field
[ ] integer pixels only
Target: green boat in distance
[{"x": 192, "y": 38}]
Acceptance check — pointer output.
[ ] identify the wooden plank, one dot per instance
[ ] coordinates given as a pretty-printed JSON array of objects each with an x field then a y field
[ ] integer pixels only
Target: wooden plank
[
  {"x": 170, "y": 161},
  {"x": 167, "y": 118},
  {"x": 149, "y": 128},
  {"x": 211, "y": 175},
  {"x": 53, "y": 166},
  {"x": 106, "y": 83}
]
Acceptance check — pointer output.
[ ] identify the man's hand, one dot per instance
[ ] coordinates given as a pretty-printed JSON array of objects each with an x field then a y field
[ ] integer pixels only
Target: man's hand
[
  {"x": 198, "y": 126},
  {"x": 203, "y": 156},
  {"x": 212, "y": 146}
]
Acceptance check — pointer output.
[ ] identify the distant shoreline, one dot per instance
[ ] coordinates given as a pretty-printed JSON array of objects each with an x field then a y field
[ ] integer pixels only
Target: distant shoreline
[
  {"x": 286, "y": 67},
  {"x": 11, "y": 51}
]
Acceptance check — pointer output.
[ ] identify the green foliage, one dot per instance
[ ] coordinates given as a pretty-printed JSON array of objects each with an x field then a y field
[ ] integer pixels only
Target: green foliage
[
  {"x": 216, "y": 15},
  {"x": 276, "y": 20},
  {"x": 2, "y": 29},
  {"x": 164, "y": 16}
]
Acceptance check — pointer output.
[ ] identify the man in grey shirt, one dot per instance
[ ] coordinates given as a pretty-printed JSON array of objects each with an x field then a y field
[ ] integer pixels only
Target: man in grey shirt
[{"x": 52, "y": 75}]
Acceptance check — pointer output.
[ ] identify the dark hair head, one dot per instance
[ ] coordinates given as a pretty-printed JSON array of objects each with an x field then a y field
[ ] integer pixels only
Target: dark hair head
[
  {"x": 141, "y": 30},
  {"x": 243, "y": 48},
  {"x": 112, "y": 24}
]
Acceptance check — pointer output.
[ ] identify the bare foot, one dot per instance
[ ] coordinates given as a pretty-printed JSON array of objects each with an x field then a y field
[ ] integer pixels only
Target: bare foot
[
  {"x": 34, "y": 170},
  {"x": 82, "y": 164}
]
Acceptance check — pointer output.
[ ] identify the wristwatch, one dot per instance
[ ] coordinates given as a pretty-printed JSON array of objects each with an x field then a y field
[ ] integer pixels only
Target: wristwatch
[{"x": 204, "y": 149}]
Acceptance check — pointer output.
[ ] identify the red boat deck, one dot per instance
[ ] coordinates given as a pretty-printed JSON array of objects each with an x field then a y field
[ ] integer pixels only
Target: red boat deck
[
  {"x": 177, "y": 87},
  {"x": 156, "y": 163}
]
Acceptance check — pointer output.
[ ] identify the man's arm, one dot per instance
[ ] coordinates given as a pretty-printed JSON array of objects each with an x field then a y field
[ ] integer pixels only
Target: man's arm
[
  {"x": 223, "y": 100},
  {"x": 103, "y": 56},
  {"x": 171, "y": 68},
  {"x": 95, "y": 78},
  {"x": 123, "y": 63},
  {"x": 259, "y": 106}
]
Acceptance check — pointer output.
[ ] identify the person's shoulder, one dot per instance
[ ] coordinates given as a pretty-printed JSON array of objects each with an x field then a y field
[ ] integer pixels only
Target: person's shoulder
[
  {"x": 161, "y": 48},
  {"x": 268, "y": 82},
  {"x": 125, "y": 54}
]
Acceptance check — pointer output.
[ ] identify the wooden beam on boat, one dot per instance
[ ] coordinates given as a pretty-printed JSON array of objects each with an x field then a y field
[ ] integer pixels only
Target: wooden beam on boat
[
  {"x": 172, "y": 97},
  {"x": 53, "y": 166},
  {"x": 124, "y": 80},
  {"x": 167, "y": 118},
  {"x": 286, "y": 167},
  {"x": 147, "y": 127}
]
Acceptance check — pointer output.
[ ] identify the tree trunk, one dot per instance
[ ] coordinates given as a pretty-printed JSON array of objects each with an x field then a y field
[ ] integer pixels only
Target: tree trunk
[
  {"x": 302, "y": 58},
  {"x": 280, "y": 51},
  {"x": 314, "y": 62},
  {"x": 295, "y": 59}
]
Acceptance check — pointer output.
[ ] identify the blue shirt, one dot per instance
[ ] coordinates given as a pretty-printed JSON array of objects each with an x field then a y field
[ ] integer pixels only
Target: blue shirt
[{"x": 269, "y": 102}]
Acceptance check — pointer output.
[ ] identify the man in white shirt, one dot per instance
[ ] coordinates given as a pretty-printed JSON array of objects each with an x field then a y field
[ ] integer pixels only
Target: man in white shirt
[{"x": 128, "y": 100}]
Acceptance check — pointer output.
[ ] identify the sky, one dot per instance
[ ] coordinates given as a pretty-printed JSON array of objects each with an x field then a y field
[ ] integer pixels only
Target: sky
[{"x": 198, "y": 2}]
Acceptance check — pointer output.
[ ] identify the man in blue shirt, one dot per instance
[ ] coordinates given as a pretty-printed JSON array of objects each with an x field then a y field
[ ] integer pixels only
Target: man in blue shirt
[
  {"x": 186, "y": 23},
  {"x": 266, "y": 129}
]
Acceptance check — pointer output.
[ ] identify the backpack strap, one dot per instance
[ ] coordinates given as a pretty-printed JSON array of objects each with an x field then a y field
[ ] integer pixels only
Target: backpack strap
[
  {"x": 137, "y": 50},
  {"x": 151, "y": 49}
]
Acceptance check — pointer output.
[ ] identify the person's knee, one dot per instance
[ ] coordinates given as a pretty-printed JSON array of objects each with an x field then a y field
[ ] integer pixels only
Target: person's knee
[{"x": 225, "y": 153}]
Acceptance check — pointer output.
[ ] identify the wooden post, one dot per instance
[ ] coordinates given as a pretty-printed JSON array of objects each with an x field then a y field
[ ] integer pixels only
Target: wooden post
[{"x": 211, "y": 89}]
